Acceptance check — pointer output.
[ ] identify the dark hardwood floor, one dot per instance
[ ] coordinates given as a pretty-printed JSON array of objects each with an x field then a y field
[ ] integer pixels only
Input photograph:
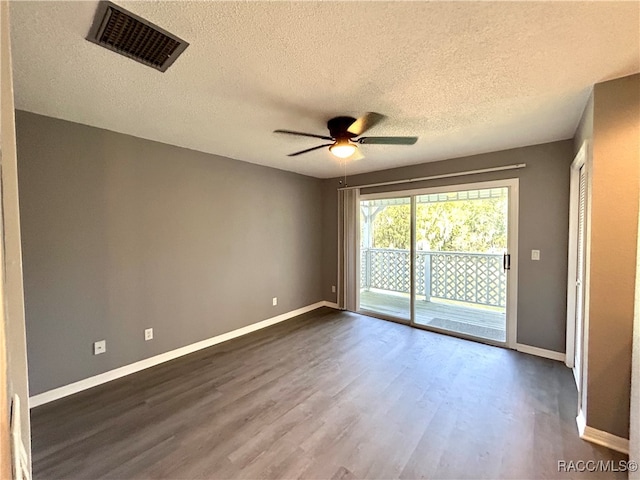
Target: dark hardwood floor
[{"x": 327, "y": 395}]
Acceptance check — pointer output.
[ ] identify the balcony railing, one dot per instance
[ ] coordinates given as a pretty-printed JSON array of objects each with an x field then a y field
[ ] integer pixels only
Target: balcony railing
[{"x": 467, "y": 277}]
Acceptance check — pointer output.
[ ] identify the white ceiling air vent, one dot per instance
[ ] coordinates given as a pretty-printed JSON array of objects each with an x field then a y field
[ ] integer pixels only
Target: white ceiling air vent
[{"x": 127, "y": 34}]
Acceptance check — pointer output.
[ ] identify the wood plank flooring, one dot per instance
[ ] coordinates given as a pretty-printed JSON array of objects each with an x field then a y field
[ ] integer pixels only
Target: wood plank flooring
[
  {"x": 330, "y": 395},
  {"x": 399, "y": 306}
]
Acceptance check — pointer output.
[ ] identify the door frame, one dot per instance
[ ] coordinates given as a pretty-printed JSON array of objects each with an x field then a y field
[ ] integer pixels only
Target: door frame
[
  {"x": 581, "y": 160},
  {"x": 512, "y": 184}
]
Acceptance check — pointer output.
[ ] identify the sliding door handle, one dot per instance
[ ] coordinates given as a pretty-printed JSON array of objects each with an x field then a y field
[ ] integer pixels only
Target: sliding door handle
[{"x": 506, "y": 261}]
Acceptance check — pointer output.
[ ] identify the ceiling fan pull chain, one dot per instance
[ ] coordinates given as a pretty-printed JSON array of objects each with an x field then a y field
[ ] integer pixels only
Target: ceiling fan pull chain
[{"x": 344, "y": 166}]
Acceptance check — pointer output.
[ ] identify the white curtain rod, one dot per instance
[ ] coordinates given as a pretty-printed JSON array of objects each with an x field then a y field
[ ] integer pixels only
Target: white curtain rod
[{"x": 444, "y": 175}]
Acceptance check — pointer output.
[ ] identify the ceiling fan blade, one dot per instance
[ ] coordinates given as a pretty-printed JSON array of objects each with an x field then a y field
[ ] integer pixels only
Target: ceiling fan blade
[
  {"x": 365, "y": 122},
  {"x": 302, "y": 134},
  {"x": 388, "y": 140},
  {"x": 309, "y": 150}
]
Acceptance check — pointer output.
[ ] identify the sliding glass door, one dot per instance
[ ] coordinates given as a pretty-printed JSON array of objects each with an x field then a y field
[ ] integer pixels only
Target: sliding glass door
[
  {"x": 385, "y": 257},
  {"x": 440, "y": 259},
  {"x": 461, "y": 240}
]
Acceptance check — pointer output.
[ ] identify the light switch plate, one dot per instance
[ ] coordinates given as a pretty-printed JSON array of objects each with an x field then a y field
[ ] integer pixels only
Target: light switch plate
[{"x": 535, "y": 254}]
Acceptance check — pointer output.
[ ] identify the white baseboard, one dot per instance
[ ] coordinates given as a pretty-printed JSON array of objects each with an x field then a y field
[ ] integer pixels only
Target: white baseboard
[
  {"x": 599, "y": 437},
  {"x": 541, "y": 352},
  {"x": 66, "y": 390}
]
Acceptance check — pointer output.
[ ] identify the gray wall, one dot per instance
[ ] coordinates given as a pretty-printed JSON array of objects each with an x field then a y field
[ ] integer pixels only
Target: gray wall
[
  {"x": 121, "y": 234},
  {"x": 585, "y": 126},
  {"x": 611, "y": 255},
  {"x": 544, "y": 223}
]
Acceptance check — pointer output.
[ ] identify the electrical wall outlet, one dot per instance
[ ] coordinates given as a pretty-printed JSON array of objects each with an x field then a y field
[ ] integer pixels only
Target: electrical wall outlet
[
  {"x": 275, "y": 301},
  {"x": 148, "y": 334},
  {"x": 535, "y": 254},
  {"x": 99, "y": 347},
  {"x": 333, "y": 289}
]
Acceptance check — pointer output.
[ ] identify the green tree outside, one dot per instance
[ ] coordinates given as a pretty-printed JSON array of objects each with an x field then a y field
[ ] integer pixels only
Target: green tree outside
[{"x": 478, "y": 226}]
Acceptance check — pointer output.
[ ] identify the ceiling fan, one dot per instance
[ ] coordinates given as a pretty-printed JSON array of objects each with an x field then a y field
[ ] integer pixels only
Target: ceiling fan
[{"x": 343, "y": 132}]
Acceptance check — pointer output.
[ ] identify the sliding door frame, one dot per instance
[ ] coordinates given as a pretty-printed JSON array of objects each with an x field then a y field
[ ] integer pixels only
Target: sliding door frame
[{"x": 512, "y": 184}]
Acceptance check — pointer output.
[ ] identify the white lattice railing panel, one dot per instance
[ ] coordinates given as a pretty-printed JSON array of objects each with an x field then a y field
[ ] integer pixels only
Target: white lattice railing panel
[{"x": 466, "y": 277}]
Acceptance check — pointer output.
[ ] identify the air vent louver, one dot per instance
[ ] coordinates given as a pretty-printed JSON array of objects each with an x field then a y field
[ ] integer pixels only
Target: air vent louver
[{"x": 134, "y": 37}]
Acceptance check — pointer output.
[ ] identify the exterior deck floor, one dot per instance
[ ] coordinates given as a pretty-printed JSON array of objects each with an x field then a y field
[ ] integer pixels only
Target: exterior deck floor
[{"x": 467, "y": 319}]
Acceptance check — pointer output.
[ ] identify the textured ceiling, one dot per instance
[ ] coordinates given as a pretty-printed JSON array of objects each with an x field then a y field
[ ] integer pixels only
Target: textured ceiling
[{"x": 466, "y": 77}]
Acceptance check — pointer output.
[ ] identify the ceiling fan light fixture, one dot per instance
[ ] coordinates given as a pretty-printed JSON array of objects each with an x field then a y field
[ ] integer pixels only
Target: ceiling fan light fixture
[{"x": 343, "y": 149}]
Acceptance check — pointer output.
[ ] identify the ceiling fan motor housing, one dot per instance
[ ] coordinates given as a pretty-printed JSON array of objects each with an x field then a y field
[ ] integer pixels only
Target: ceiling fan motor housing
[{"x": 338, "y": 127}]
